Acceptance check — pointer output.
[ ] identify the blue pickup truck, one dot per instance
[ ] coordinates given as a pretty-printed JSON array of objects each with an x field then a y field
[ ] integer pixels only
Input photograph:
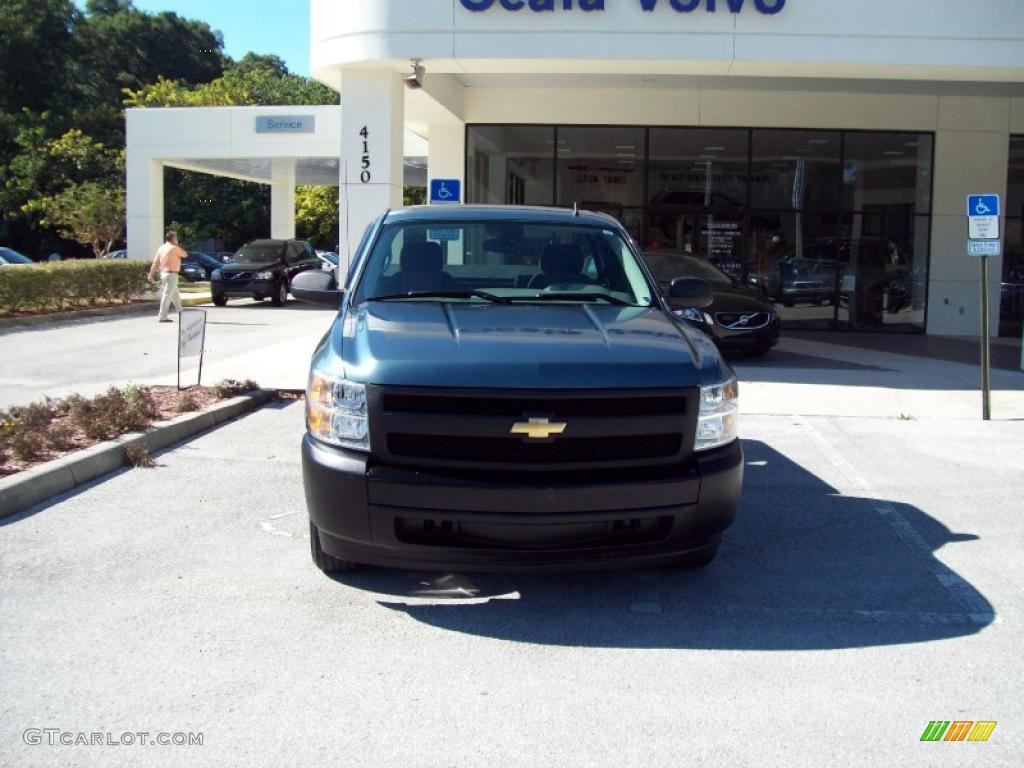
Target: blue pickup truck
[{"x": 508, "y": 388}]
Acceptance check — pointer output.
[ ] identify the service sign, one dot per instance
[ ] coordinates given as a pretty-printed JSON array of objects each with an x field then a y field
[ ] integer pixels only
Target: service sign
[{"x": 286, "y": 124}]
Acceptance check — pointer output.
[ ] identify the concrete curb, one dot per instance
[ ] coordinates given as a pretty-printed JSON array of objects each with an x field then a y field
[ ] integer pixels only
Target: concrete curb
[
  {"x": 38, "y": 484},
  {"x": 140, "y": 308}
]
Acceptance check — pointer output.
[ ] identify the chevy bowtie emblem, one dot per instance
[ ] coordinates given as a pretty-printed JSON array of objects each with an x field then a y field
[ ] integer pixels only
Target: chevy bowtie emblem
[{"x": 538, "y": 429}]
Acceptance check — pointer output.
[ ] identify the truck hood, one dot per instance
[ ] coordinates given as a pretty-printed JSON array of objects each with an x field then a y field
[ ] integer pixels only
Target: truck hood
[{"x": 520, "y": 346}]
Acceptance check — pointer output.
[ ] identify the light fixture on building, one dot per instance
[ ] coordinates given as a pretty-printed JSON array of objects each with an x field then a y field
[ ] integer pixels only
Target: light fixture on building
[{"x": 414, "y": 78}]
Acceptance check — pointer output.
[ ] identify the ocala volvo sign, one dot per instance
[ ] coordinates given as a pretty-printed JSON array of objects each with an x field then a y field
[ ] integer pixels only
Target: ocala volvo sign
[{"x": 768, "y": 7}]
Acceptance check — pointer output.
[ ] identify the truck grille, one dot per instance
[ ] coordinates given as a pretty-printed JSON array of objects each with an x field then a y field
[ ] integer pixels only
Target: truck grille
[
  {"x": 508, "y": 451},
  {"x": 473, "y": 428}
]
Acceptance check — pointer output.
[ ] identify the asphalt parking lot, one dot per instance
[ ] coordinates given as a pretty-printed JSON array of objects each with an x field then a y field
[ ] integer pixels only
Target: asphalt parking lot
[{"x": 870, "y": 585}]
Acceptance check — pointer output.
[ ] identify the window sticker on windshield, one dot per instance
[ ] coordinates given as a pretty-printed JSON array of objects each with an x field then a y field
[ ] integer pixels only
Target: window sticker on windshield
[{"x": 443, "y": 235}]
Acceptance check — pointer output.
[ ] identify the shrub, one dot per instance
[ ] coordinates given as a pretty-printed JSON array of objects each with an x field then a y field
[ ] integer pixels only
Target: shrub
[
  {"x": 36, "y": 415},
  {"x": 60, "y": 437},
  {"x": 27, "y": 444},
  {"x": 138, "y": 456},
  {"x": 231, "y": 388},
  {"x": 114, "y": 413},
  {"x": 187, "y": 403},
  {"x": 69, "y": 284}
]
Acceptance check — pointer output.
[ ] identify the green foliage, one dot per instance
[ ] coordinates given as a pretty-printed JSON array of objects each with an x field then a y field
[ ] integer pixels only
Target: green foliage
[
  {"x": 316, "y": 216},
  {"x": 89, "y": 212},
  {"x": 199, "y": 206},
  {"x": 61, "y": 86},
  {"x": 254, "y": 81},
  {"x": 40, "y": 48},
  {"x": 70, "y": 284},
  {"x": 414, "y": 195}
]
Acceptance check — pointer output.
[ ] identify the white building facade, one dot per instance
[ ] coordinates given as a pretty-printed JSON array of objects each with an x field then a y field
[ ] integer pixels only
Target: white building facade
[{"x": 821, "y": 148}]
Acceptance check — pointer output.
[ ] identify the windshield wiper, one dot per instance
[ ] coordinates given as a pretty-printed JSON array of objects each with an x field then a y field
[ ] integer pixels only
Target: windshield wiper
[
  {"x": 578, "y": 297},
  {"x": 442, "y": 295}
]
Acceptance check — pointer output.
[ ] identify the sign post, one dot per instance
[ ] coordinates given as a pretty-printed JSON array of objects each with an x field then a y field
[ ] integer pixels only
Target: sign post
[
  {"x": 191, "y": 339},
  {"x": 983, "y": 234}
]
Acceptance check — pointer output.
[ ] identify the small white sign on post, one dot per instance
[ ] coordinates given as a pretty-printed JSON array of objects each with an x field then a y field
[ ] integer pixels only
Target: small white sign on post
[{"x": 191, "y": 339}]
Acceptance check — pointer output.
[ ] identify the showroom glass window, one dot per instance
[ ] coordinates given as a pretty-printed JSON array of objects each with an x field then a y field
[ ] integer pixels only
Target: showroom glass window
[
  {"x": 832, "y": 225},
  {"x": 602, "y": 169},
  {"x": 885, "y": 230},
  {"x": 510, "y": 164},
  {"x": 1011, "y": 306},
  {"x": 697, "y": 194}
]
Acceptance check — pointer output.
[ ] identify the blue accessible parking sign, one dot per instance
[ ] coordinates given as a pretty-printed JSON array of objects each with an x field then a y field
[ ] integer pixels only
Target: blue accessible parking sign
[
  {"x": 445, "y": 191},
  {"x": 983, "y": 205}
]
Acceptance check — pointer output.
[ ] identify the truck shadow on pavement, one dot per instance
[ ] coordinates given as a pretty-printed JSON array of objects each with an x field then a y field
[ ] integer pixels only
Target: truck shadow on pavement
[{"x": 803, "y": 568}]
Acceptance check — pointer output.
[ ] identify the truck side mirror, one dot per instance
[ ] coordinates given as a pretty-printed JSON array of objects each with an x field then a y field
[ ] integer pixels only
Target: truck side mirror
[
  {"x": 317, "y": 287},
  {"x": 690, "y": 293}
]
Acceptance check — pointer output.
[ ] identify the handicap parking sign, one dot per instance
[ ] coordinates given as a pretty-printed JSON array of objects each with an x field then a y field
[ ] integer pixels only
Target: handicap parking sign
[
  {"x": 983, "y": 217},
  {"x": 444, "y": 191},
  {"x": 983, "y": 205}
]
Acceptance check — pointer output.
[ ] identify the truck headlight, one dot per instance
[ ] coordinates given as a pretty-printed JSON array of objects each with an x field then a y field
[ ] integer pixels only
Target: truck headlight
[
  {"x": 216, "y": 275},
  {"x": 717, "y": 422},
  {"x": 336, "y": 412},
  {"x": 264, "y": 275}
]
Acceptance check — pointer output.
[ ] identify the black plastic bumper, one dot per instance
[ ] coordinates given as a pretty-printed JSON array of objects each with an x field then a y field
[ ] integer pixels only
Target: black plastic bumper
[
  {"x": 258, "y": 288},
  {"x": 404, "y": 518}
]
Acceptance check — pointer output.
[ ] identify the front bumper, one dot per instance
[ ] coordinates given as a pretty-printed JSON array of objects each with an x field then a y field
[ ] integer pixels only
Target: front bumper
[
  {"x": 758, "y": 338},
  {"x": 405, "y": 518},
  {"x": 257, "y": 288}
]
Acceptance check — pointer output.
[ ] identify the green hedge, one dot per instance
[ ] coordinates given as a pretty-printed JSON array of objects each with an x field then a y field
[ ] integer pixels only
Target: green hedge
[{"x": 70, "y": 284}]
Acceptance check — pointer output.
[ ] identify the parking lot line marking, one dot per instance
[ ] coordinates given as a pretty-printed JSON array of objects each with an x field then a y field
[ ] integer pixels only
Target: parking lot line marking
[
  {"x": 857, "y": 484},
  {"x": 269, "y": 528}
]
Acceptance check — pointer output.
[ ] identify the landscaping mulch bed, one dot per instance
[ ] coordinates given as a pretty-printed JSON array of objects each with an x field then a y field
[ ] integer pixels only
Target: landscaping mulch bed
[{"x": 37, "y": 433}]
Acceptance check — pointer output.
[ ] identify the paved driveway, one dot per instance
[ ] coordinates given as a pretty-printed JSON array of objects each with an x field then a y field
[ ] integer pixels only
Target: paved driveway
[
  {"x": 244, "y": 340},
  {"x": 871, "y": 585}
]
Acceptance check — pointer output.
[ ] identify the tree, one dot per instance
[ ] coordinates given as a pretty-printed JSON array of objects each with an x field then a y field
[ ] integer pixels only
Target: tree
[
  {"x": 316, "y": 216},
  {"x": 39, "y": 51},
  {"x": 89, "y": 212},
  {"x": 124, "y": 48},
  {"x": 253, "y": 81}
]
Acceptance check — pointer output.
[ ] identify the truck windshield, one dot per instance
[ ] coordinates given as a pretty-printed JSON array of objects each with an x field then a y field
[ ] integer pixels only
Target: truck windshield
[{"x": 505, "y": 261}]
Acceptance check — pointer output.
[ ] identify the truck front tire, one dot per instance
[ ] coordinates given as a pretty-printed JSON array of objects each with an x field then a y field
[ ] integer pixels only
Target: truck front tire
[{"x": 327, "y": 563}]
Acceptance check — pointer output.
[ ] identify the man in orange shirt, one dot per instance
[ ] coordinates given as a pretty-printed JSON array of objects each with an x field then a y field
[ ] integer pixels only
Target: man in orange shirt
[{"x": 167, "y": 264}]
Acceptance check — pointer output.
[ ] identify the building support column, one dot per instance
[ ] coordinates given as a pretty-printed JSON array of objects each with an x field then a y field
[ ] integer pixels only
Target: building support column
[
  {"x": 966, "y": 162},
  {"x": 447, "y": 158},
  {"x": 282, "y": 199},
  {"x": 145, "y": 205},
  {"x": 372, "y": 144}
]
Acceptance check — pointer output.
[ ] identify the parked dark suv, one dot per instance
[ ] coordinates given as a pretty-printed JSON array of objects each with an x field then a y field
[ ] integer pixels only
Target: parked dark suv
[
  {"x": 475, "y": 410},
  {"x": 263, "y": 269}
]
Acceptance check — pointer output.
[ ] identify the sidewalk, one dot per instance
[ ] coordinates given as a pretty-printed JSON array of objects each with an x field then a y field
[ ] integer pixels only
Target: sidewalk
[{"x": 841, "y": 375}]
